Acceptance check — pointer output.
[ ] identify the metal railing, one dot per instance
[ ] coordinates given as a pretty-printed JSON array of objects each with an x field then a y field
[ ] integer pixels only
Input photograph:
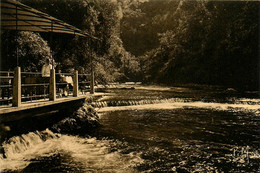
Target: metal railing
[
  {"x": 84, "y": 83},
  {"x": 34, "y": 86},
  {"x": 6, "y": 80}
]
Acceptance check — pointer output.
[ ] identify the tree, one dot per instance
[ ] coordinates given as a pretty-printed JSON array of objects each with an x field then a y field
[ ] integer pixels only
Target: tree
[
  {"x": 31, "y": 49},
  {"x": 209, "y": 43}
]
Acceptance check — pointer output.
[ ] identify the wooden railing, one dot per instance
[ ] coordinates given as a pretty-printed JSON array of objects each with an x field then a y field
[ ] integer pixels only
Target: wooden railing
[{"x": 17, "y": 86}]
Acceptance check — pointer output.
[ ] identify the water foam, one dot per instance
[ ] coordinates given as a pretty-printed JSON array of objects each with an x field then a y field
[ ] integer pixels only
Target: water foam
[
  {"x": 100, "y": 104},
  {"x": 93, "y": 154},
  {"x": 18, "y": 149},
  {"x": 168, "y": 104}
]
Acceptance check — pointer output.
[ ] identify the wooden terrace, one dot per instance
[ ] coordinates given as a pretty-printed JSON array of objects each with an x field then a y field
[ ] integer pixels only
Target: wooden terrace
[{"x": 22, "y": 97}]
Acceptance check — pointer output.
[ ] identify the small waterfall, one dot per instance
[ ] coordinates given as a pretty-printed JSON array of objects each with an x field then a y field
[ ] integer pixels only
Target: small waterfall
[
  {"x": 19, "y": 152},
  {"x": 100, "y": 104},
  {"x": 84, "y": 118},
  {"x": 19, "y": 144},
  {"x": 64, "y": 153}
]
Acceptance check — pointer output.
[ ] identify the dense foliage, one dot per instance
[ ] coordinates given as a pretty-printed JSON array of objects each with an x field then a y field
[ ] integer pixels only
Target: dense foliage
[
  {"x": 32, "y": 51},
  {"x": 160, "y": 41},
  {"x": 206, "y": 42}
]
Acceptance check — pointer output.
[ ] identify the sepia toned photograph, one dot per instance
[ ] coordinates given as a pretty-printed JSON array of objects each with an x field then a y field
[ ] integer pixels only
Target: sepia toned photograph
[{"x": 129, "y": 86}]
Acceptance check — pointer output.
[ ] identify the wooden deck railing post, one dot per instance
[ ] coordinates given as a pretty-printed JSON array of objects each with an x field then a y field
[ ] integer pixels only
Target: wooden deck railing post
[
  {"x": 16, "y": 101},
  {"x": 52, "y": 86},
  {"x": 92, "y": 89},
  {"x": 75, "y": 84}
]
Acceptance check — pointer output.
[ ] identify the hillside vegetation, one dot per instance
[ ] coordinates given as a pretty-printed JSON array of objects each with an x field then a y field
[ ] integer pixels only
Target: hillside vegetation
[
  {"x": 205, "y": 42},
  {"x": 155, "y": 41}
]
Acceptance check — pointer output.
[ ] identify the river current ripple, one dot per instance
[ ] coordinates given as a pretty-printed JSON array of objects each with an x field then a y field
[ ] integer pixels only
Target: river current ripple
[{"x": 150, "y": 130}]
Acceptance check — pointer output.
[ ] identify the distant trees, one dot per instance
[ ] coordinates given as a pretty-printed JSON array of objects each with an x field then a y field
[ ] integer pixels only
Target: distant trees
[
  {"x": 142, "y": 21},
  {"x": 205, "y": 42}
]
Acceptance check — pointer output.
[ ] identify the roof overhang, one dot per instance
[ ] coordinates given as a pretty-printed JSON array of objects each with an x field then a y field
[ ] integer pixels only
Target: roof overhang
[{"x": 20, "y": 17}]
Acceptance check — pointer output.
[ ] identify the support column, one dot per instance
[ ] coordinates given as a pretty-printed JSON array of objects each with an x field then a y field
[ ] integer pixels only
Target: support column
[
  {"x": 16, "y": 101},
  {"x": 92, "y": 80},
  {"x": 52, "y": 86},
  {"x": 75, "y": 84}
]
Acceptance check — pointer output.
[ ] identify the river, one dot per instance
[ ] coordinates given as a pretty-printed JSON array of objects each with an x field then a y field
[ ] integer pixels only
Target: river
[{"x": 150, "y": 129}]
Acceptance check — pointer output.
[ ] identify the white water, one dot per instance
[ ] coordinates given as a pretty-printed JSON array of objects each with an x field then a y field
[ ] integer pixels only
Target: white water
[
  {"x": 20, "y": 149},
  {"x": 241, "y": 105},
  {"x": 100, "y": 104},
  {"x": 90, "y": 153}
]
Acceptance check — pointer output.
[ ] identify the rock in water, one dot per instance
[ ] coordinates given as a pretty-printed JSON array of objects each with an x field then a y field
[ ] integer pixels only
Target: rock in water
[{"x": 82, "y": 121}]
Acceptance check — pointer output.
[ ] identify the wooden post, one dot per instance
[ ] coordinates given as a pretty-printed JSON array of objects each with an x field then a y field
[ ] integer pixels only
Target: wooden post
[
  {"x": 92, "y": 89},
  {"x": 16, "y": 101},
  {"x": 52, "y": 86},
  {"x": 75, "y": 84}
]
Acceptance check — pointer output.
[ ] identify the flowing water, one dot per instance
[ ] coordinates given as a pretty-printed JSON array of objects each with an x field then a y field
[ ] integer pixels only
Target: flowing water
[{"x": 149, "y": 129}]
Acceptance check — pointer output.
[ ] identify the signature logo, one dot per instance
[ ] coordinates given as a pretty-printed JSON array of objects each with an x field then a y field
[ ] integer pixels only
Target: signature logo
[{"x": 244, "y": 154}]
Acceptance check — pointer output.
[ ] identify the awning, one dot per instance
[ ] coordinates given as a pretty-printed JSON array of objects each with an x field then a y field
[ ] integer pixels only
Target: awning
[{"x": 17, "y": 16}]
